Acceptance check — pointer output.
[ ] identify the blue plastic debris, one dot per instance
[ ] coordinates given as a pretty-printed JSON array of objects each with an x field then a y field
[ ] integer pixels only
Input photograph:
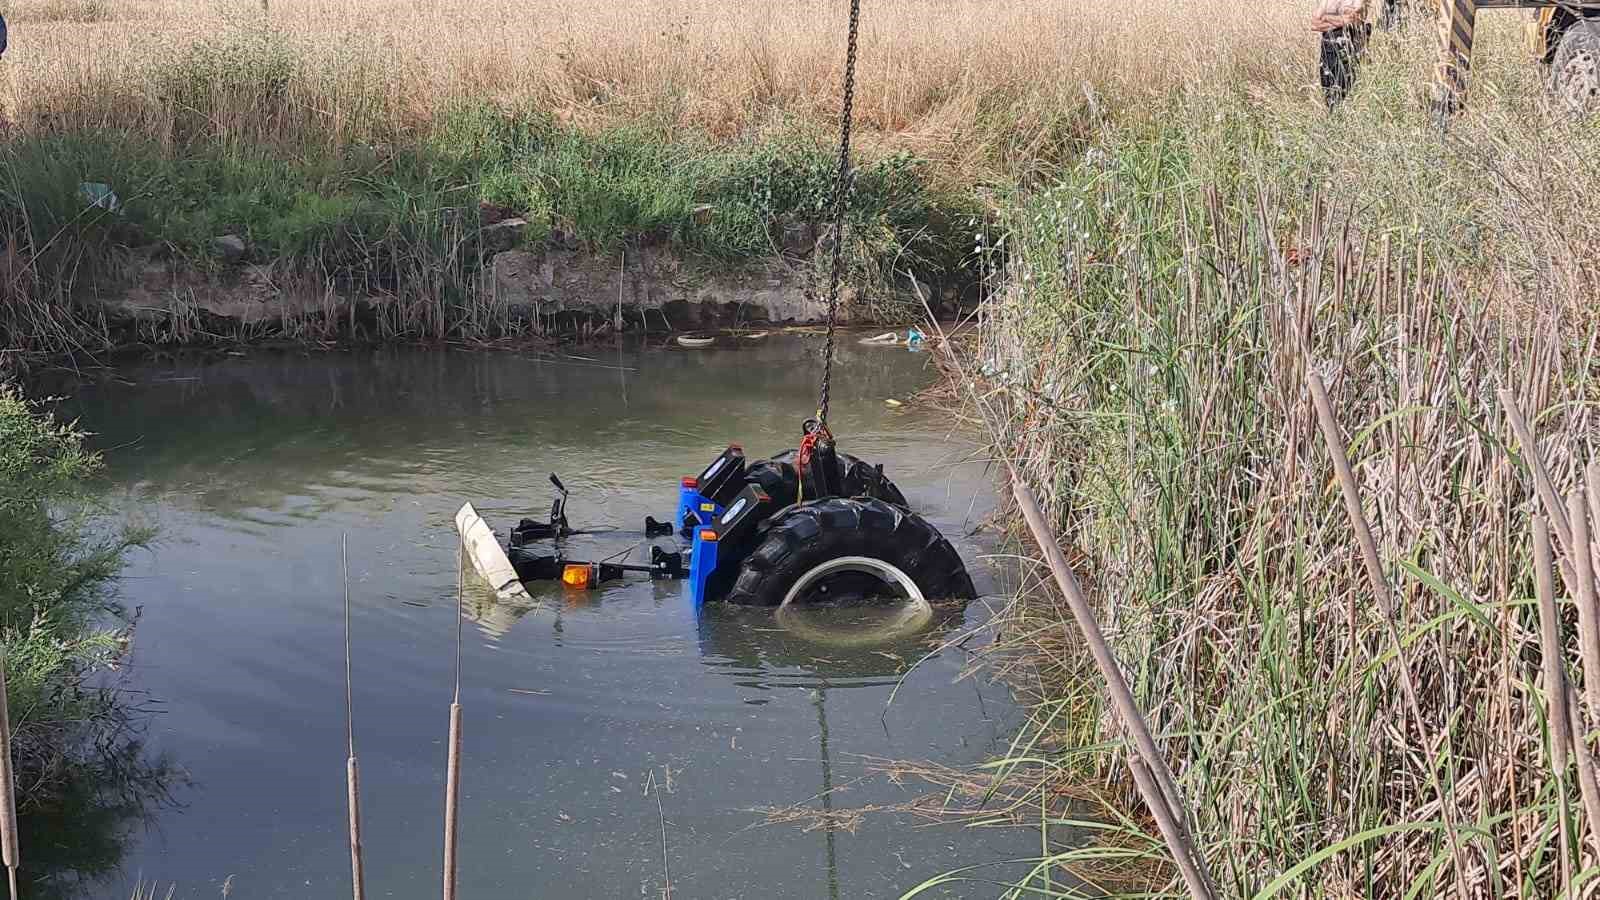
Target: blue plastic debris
[{"x": 99, "y": 195}]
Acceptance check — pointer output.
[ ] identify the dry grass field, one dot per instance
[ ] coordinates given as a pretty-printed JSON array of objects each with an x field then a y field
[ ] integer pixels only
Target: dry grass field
[{"x": 951, "y": 79}]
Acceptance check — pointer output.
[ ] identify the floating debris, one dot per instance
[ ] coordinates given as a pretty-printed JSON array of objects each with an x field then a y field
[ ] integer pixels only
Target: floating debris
[{"x": 100, "y": 195}]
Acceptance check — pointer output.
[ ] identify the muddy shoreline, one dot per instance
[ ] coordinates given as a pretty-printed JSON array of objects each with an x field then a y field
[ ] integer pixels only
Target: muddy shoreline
[{"x": 541, "y": 296}]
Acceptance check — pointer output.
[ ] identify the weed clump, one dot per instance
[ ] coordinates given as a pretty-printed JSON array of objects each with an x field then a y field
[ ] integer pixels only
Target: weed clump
[{"x": 58, "y": 615}]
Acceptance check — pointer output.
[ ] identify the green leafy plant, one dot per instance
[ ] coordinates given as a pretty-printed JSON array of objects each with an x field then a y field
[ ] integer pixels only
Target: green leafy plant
[{"x": 59, "y": 620}]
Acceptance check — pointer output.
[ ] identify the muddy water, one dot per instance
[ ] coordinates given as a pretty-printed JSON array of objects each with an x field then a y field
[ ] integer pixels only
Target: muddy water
[{"x": 576, "y": 706}]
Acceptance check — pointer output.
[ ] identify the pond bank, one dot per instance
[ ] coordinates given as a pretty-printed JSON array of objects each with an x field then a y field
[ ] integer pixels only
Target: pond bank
[
  {"x": 550, "y": 292},
  {"x": 490, "y": 224}
]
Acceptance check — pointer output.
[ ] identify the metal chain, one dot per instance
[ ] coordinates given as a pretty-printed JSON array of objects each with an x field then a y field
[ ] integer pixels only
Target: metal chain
[{"x": 841, "y": 195}]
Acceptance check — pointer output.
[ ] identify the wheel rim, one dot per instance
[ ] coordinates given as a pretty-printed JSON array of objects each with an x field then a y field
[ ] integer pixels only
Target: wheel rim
[
  {"x": 812, "y": 585},
  {"x": 913, "y": 615}
]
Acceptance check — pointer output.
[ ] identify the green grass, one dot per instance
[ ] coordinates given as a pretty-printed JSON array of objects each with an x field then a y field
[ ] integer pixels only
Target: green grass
[
  {"x": 370, "y": 218},
  {"x": 344, "y": 201}
]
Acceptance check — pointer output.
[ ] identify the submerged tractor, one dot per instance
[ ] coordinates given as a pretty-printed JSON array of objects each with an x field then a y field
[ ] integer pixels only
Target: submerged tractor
[{"x": 808, "y": 526}]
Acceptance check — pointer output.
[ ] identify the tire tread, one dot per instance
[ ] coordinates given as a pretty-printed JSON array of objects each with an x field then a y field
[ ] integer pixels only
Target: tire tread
[{"x": 802, "y": 537}]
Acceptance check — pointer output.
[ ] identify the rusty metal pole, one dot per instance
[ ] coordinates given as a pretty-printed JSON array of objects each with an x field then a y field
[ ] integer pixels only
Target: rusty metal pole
[{"x": 1150, "y": 771}]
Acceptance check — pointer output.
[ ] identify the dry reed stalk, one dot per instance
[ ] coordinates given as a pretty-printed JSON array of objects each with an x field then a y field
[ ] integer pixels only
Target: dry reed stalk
[
  {"x": 1588, "y": 781},
  {"x": 1382, "y": 593},
  {"x": 1155, "y": 783},
  {"x": 452, "y": 790},
  {"x": 1555, "y": 684},
  {"x": 352, "y": 777},
  {"x": 661, "y": 816},
  {"x": 1592, "y": 479},
  {"x": 1151, "y": 774},
  {"x": 8, "y": 786},
  {"x": 1542, "y": 484},
  {"x": 352, "y": 773},
  {"x": 452, "y": 795},
  {"x": 929, "y": 68},
  {"x": 1588, "y": 609}
]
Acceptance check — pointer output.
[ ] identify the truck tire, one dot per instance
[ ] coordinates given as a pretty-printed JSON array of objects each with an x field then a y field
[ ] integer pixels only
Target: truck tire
[
  {"x": 804, "y": 537},
  {"x": 1575, "y": 73},
  {"x": 781, "y": 480}
]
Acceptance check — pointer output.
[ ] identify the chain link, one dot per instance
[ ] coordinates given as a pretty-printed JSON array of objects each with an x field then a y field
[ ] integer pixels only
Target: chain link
[{"x": 841, "y": 197}]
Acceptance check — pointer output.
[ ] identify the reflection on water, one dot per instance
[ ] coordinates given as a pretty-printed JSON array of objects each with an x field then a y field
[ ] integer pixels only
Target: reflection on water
[
  {"x": 102, "y": 800},
  {"x": 820, "y": 647},
  {"x": 862, "y": 647},
  {"x": 253, "y": 468}
]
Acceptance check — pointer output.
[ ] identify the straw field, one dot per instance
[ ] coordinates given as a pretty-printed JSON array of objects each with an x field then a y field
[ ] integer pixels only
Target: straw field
[{"x": 956, "y": 80}]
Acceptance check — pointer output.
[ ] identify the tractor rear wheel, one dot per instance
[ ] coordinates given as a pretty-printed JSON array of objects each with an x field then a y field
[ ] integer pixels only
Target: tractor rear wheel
[
  {"x": 781, "y": 480},
  {"x": 883, "y": 545},
  {"x": 1575, "y": 74}
]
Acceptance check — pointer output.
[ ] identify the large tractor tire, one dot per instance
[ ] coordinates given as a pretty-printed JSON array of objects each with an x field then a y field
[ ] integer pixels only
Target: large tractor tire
[
  {"x": 872, "y": 538},
  {"x": 781, "y": 480},
  {"x": 1575, "y": 72}
]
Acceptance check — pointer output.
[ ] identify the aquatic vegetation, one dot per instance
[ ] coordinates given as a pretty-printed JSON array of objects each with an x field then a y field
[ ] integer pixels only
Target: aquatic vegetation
[
  {"x": 56, "y": 577},
  {"x": 83, "y": 777}
]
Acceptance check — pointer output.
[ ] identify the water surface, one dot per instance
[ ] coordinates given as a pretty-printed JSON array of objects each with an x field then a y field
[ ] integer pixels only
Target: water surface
[{"x": 253, "y": 468}]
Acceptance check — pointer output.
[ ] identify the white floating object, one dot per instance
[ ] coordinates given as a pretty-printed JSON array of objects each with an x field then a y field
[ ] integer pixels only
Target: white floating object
[
  {"x": 483, "y": 548},
  {"x": 686, "y": 341}
]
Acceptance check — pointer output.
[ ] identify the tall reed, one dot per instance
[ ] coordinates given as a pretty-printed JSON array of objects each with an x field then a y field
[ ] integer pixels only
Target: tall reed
[
  {"x": 1151, "y": 346},
  {"x": 973, "y": 82},
  {"x": 8, "y": 787},
  {"x": 452, "y": 791},
  {"x": 358, "y": 888}
]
